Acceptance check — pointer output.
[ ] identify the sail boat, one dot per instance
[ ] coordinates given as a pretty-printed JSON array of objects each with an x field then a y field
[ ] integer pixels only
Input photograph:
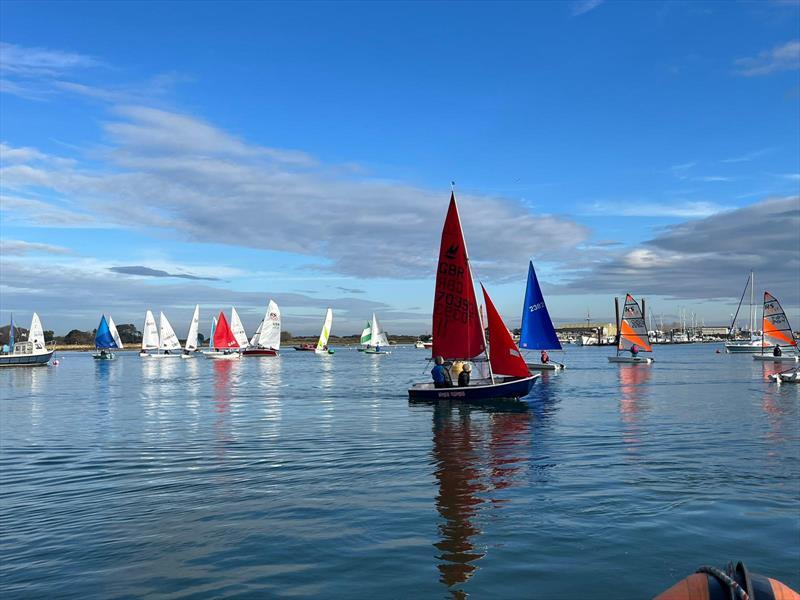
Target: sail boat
[
  {"x": 366, "y": 336},
  {"x": 238, "y": 329},
  {"x": 191, "y": 337},
  {"x": 104, "y": 340},
  {"x": 377, "y": 338},
  {"x": 631, "y": 330},
  {"x": 754, "y": 344},
  {"x": 537, "y": 331},
  {"x": 31, "y": 353},
  {"x": 225, "y": 345},
  {"x": 776, "y": 333},
  {"x": 149, "y": 335},
  {"x": 211, "y": 337},
  {"x": 267, "y": 339},
  {"x": 168, "y": 342},
  {"x": 459, "y": 335},
  {"x": 321, "y": 347}
]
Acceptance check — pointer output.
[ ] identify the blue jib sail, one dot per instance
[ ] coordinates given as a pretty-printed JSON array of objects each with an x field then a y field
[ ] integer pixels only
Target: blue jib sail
[
  {"x": 537, "y": 331},
  {"x": 102, "y": 338}
]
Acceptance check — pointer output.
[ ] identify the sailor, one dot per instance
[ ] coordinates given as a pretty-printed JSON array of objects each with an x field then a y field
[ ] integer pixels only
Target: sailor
[
  {"x": 103, "y": 353},
  {"x": 634, "y": 350},
  {"x": 777, "y": 350},
  {"x": 545, "y": 357},
  {"x": 463, "y": 377},
  {"x": 440, "y": 374}
]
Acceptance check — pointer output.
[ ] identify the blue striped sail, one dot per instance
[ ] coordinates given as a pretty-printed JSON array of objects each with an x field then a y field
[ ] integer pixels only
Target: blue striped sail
[
  {"x": 537, "y": 332},
  {"x": 103, "y": 337}
]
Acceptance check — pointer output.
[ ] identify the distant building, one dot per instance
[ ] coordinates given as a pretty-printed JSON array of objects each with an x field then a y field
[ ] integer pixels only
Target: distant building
[
  {"x": 606, "y": 329},
  {"x": 714, "y": 331}
]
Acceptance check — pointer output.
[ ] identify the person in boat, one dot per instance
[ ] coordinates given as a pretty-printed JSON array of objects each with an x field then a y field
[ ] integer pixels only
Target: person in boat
[
  {"x": 634, "y": 351},
  {"x": 463, "y": 377},
  {"x": 102, "y": 353},
  {"x": 777, "y": 350},
  {"x": 440, "y": 374},
  {"x": 545, "y": 357},
  {"x": 377, "y": 348},
  {"x": 167, "y": 352}
]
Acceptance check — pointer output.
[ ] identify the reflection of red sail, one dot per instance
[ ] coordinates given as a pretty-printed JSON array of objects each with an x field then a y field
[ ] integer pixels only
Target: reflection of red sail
[
  {"x": 509, "y": 431},
  {"x": 457, "y": 331},
  {"x": 504, "y": 355},
  {"x": 631, "y": 382},
  {"x": 223, "y": 336}
]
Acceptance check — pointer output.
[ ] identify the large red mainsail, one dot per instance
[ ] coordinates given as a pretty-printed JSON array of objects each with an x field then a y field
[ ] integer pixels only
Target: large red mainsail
[
  {"x": 223, "y": 336},
  {"x": 457, "y": 329},
  {"x": 504, "y": 355}
]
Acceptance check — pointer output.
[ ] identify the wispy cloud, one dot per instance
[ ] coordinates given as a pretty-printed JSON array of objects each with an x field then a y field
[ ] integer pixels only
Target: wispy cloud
[
  {"x": 23, "y": 248},
  {"x": 749, "y": 156},
  {"x": 712, "y": 178},
  {"x": 584, "y": 6},
  {"x": 148, "y": 272},
  {"x": 347, "y": 290},
  {"x": 37, "y": 62},
  {"x": 627, "y": 208},
  {"x": 785, "y": 57}
]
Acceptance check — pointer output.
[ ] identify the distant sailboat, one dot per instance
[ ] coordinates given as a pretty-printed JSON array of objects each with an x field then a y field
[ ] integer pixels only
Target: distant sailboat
[
  {"x": 777, "y": 333},
  {"x": 225, "y": 345},
  {"x": 267, "y": 339},
  {"x": 321, "y": 346},
  {"x": 191, "y": 337},
  {"x": 537, "y": 331},
  {"x": 754, "y": 344},
  {"x": 377, "y": 341},
  {"x": 104, "y": 341},
  {"x": 458, "y": 334},
  {"x": 31, "y": 353},
  {"x": 238, "y": 329},
  {"x": 149, "y": 335},
  {"x": 366, "y": 336},
  {"x": 631, "y": 331}
]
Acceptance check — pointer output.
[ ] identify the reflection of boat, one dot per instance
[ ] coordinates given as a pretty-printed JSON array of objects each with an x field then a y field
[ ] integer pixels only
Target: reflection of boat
[
  {"x": 225, "y": 345},
  {"x": 267, "y": 339},
  {"x": 31, "y": 353},
  {"x": 458, "y": 332},
  {"x": 537, "y": 331},
  {"x": 754, "y": 344},
  {"x": 322, "y": 343},
  {"x": 105, "y": 339},
  {"x": 777, "y": 333},
  {"x": 631, "y": 332}
]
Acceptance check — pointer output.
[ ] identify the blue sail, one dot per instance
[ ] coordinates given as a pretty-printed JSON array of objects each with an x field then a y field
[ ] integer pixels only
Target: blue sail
[
  {"x": 102, "y": 338},
  {"x": 537, "y": 331}
]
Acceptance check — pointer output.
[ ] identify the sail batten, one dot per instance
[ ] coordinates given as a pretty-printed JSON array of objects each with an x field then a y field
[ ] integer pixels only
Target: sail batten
[
  {"x": 775, "y": 325},
  {"x": 632, "y": 327},
  {"x": 537, "y": 331},
  {"x": 457, "y": 330}
]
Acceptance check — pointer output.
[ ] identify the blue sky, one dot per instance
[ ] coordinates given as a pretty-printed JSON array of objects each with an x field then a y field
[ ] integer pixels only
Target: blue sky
[{"x": 304, "y": 152}]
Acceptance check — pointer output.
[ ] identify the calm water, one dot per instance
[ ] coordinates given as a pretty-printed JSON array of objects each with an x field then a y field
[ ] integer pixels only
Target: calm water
[{"x": 311, "y": 476}]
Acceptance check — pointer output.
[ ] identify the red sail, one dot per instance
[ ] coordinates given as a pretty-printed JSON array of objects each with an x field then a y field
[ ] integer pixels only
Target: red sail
[
  {"x": 457, "y": 331},
  {"x": 223, "y": 336},
  {"x": 503, "y": 352}
]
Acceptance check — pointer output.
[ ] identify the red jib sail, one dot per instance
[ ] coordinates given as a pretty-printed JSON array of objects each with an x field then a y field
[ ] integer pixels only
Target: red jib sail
[
  {"x": 457, "y": 331},
  {"x": 223, "y": 336},
  {"x": 504, "y": 355}
]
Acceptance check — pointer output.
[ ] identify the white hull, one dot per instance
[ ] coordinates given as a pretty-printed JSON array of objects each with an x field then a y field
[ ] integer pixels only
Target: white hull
[
  {"x": 550, "y": 366},
  {"x": 222, "y": 355},
  {"x": 736, "y": 347},
  {"x": 586, "y": 340},
  {"x": 177, "y": 355},
  {"x": 777, "y": 359},
  {"x": 633, "y": 360},
  {"x": 790, "y": 377}
]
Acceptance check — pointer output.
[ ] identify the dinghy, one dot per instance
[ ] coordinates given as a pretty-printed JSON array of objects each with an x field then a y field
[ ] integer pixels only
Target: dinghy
[
  {"x": 790, "y": 376},
  {"x": 105, "y": 340},
  {"x": 225, "y": 345},
  {"x": 149, "y": 335},
  {"x": 537, "y": 331},
  {"x": 211, "y": 337},
  {"x": 31, "y": 353},
  {"x": 377, "y": 339},
  {"x": 168, "y": 344},
  {"x": 366, "y": 336},
  {"x": 631, "y": 330},
  {"x": 754, "y": 344},
  {"x": 267, "y": 339},
  {"x": 776, "y": 333},
  {"x": 322, "y": 343},
  {"x": 191, "y": 338},
  {"x": 458, "y": 334}
]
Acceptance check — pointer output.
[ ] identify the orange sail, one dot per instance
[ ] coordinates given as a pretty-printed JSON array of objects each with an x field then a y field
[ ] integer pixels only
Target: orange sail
[
  {"x": 504, "y": 355},
  {"x": 632, "y": 329},
  {"x": 457, "y": 331},
  {"x": 777, "y": 330}
]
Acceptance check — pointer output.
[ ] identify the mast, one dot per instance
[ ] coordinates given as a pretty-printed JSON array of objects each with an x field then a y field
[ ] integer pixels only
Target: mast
[
  {"x": 616, "y": 316},
  {"x": 752, "y": 304}
]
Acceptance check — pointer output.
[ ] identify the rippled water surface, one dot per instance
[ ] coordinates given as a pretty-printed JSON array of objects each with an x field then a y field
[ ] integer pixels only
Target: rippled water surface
[{"x": 312, "y": 476}]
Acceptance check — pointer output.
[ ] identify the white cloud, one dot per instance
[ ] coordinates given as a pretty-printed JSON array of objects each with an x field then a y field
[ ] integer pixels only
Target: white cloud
[
  {"x": 23, "y": 248},
  {"x": 584, "y": 6},
  {"x": 688, "y": 209},
  {"x": 785, "y": 57},
  {"x": 36, "y": 62}
]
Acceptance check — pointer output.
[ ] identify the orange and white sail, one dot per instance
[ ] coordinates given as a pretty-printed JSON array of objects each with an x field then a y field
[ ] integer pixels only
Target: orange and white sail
[
  {"x": 632, "y": 328},
  {"x": 777, "y": 331}
]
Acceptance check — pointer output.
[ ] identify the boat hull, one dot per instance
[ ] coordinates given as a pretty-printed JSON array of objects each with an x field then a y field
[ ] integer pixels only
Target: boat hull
[
  {"x": 164, "y": 355},
  {"x": 305, "y": 348},
  {"x": 375, "y": 352},
  {"x": 222, "y": 356},
  {"x": 260, "y": 352},
  {"x": 631, "y": 360},
  {"x": 791, "y": 377},
  {"x": 777, "y": 359},
  {"x": 107, "y": 356},
  {"x": 26, "y": 360},
  {"x": 746, "y": 347},
  {"x": 504, "y": 387},
  {"x": 550, "y": 366}
]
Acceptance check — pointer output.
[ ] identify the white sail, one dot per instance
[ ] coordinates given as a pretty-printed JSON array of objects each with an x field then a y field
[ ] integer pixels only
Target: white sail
[
  {"x": 191, "y": 337},
  {"x": 322, "y": 343},
  {"x": 150, "y": 333},
  {"x": 36, "y": 334},
  {"x": 112, "y": 329},
  {"x": 167, "y": 338},
  {"x": 270, "y": 334},
  {"x": 378, "y": 337},
  {"x": 256, "y": 335},
  {"x": 237, "y": 329},
  {"x": 366, "y": 334}
]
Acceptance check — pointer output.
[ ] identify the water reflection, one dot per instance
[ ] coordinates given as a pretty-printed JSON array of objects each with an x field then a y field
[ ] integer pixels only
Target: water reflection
[
  {"x": 223, "y": 383},
  {"x": 632, "y": 385},
  {"x": 478, "y": 453}
]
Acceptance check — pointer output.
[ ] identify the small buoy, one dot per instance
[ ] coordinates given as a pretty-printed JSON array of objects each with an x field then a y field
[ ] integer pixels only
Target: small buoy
[
  {"x": 55, "y": 363},
  {"x": 719, "y": 351},
  {"x": 331, "y": 351},
  {"x": 733, "y": 582}
]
